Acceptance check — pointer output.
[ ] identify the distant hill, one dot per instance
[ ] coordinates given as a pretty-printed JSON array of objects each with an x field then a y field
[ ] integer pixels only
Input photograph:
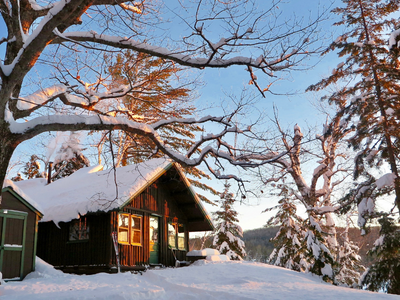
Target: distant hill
[{"x": 258, "y": 246}]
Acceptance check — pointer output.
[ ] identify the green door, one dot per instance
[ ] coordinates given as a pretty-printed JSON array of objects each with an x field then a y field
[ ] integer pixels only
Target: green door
[
  {"x": 154, "y": 243},
  {"x": 12, "y": 243}
]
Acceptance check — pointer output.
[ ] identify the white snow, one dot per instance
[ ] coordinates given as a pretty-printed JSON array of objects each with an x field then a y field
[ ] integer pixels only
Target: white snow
[
  {"x": 11, "y": 184},
  {"x": 385, "y": 180},
  {"x": 232, "y": 280},
  {"x": 40, "y": 97},
  {"x": 203, "y": 252},
  {"x": 89, "y": 189},
  {"x": 220, "y": 257},
  {"x": 392, "y": 39}
]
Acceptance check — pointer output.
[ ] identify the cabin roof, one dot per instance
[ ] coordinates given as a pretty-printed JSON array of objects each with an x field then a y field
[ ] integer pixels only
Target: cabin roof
[
  {"x": 93, "y": 189},
  {"x": 11, "y": 187}
]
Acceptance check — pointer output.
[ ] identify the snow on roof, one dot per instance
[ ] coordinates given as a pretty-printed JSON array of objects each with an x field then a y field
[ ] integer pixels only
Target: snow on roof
[
  {"x": 11, "y": 184},
  {"x": 91, "y": 189}
]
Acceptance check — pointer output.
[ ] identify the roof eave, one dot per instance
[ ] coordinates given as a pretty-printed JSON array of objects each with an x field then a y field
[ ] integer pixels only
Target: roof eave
[{"x": 22, "y": 199}]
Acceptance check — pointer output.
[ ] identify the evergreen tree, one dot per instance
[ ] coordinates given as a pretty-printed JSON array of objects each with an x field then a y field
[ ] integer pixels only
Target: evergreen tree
[
  {"x": 152, "y": 98},
  {"x": 32, "y": 168},
  {"x": 69, "y": 158},
  {"x": 370, "y": 98},
  {"x": 320, "y": 259},
  {"x": 349, "y": 262},
  {"x": 17, "y": 177},
  {"x": 385, "y": 273},
  {"x": 371, "y": 92},
  {"x": 227, "y": 239},
  {"x": 289, "y": 240}
]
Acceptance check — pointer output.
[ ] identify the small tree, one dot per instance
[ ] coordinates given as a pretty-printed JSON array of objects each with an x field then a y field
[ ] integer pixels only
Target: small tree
[
  {"x": 288, "y": 242},
  {"x": 349, "y": 262},
  {"x": 227, "y": 239},
  {"x": 31, "y": 168},
  {"x": 385, "y": 273},
  {"x": 69, "y": 158}
]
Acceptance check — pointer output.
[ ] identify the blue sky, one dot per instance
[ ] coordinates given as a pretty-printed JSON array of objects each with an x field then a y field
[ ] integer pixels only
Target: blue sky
[{"x": 292, "y": 109}]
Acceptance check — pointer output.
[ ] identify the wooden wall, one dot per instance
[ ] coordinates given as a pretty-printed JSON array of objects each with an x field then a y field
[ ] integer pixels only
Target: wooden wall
[
  {"x": 55, "y": 248},
  {"x": 14, "y": 237},
  {"x": 157, "y": 199}
]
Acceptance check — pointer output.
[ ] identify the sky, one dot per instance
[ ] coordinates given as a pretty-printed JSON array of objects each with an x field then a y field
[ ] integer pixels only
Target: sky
[
  {"x": 233, "y": 280},
  {"x": 297, "y": 108}
]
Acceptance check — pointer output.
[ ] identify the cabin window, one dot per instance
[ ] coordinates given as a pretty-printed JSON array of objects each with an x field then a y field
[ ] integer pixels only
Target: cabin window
[
  {"x": 79, "y": 230},
  {"x": 123, "y": 228},
  {"x": 176, "y": 236},
  {"x": 172, "y": 235},
  {"x": 181, "y": 237},
  {"x": 136, "y": 228},
  {"x": 130, "y": 229}
]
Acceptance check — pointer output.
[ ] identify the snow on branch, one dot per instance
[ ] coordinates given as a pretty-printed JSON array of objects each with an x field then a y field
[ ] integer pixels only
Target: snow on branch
[
  {"x": 182, "y": 57},
  {"x": 41, "y": 124}
]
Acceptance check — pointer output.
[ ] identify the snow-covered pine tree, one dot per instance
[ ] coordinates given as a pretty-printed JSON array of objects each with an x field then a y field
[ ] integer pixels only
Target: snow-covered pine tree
[
  {"x": 319, "y": 240},
  {"x": 371, "y": 93},
  {"x": 289, "y": 240},
  {"x": 32, "y": 168},
  {"x": 384, "y": 275},
  {"x": 69, "y": 158},
  {"x": 350, "y": 267},
  {"x": 227, "y": 238},
  {"x": 319, "y": 257},
  {"x": 370, "y": 98}
]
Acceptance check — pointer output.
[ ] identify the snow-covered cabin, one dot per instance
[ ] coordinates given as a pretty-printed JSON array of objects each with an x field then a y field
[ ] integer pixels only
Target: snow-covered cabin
[
  {"x": 151, "y": 206},
  {"x": 19, "y": 216}
]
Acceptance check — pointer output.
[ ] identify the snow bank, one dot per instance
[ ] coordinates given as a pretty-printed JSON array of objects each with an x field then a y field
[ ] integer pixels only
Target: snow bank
[
  {"x": 203, "y": 252},
  {"x": 45, "y": 270},
  {"x": 234, "y": 280},
  {"x": 221, "y": 257}
]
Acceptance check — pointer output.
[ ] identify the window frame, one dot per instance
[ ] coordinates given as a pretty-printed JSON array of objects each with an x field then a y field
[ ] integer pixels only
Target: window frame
[
  {"x": 140, "y": 230},
  {"x": 177, "y": 236},
  {"x": 180, "y": 237},
  {"x": 83, "y": 230},
  {"x": 174, "y": 236},
  {"x": 129, "y": 229}
]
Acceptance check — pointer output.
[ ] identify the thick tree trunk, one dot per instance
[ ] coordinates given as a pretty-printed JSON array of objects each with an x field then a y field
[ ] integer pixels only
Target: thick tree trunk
[{"x": 8, "y": 143}]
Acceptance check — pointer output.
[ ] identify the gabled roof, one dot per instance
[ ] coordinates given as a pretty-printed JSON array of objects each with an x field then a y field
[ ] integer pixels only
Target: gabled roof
[
  {"x": 9, "y": 186},
  {"x": 93, "y": 189}
]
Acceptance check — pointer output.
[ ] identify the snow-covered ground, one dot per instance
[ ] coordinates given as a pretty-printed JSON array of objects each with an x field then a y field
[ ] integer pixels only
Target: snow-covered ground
[{"x": 202, "y": 280}]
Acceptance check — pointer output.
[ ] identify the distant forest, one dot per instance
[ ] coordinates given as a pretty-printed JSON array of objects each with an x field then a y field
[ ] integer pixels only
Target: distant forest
[{"x": 259, "y": 247}]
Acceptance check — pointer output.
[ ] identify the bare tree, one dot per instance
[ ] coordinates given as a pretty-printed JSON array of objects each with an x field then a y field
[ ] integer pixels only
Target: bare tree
[
  {"x": 312, "y": 189},
  {"x": 66, "y": 42}
]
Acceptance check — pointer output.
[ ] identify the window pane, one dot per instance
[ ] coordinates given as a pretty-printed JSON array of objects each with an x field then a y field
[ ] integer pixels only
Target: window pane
[
  {"x": 123, "y": 220},
  {"x": 136, "y": 222},
  {"x": 172, "y": 235},
  {"x": 154, "y": 229},
  {"x": 136, "y": 225},
  {"x": 181, "y": 237},
  {"x": 78, "y": 230},
  {"x": 123, "y": 235},
  {"x": 136, "y": 237},
  {"x": 123, "y": 228}
]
